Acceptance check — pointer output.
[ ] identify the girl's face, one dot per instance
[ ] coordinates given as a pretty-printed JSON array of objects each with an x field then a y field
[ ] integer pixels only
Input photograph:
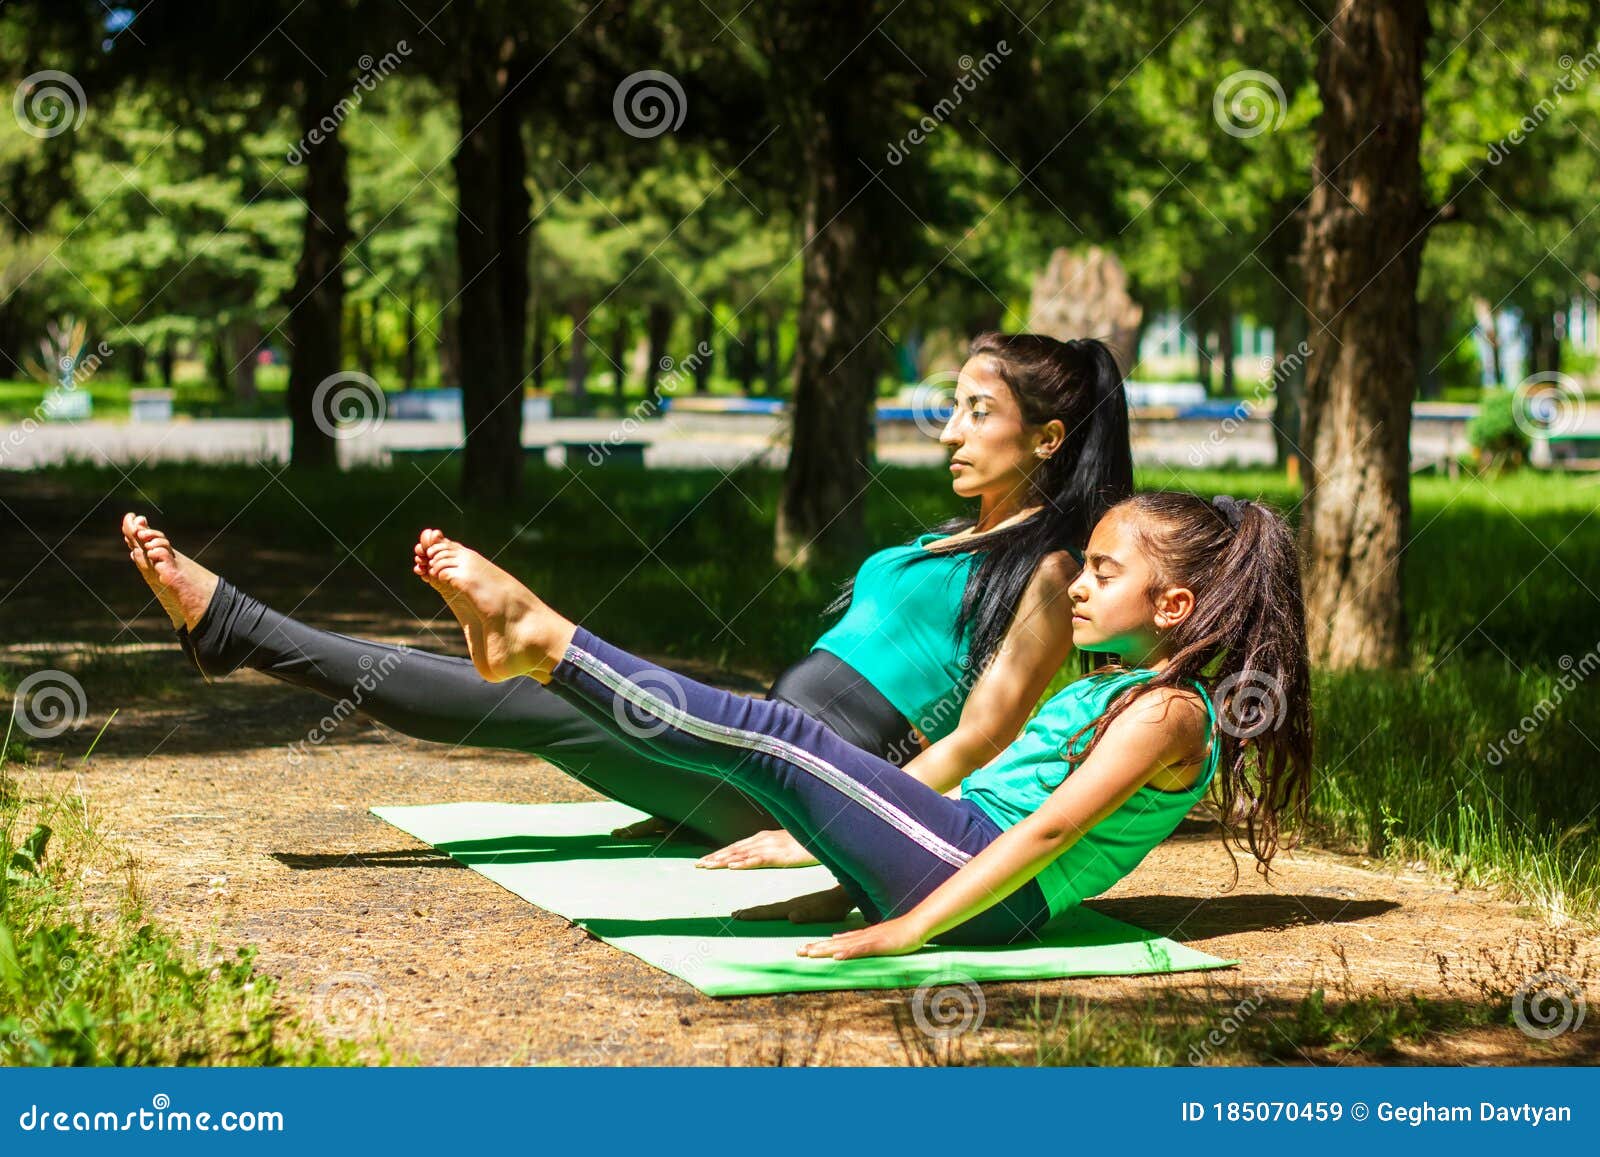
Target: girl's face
[
  {"x": 1112, "y": 609},
  {"x": 994, "y": 452}
]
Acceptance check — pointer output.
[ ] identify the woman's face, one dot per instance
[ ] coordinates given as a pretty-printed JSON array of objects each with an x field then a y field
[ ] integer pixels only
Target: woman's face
[{"x": 993, "y": 451}]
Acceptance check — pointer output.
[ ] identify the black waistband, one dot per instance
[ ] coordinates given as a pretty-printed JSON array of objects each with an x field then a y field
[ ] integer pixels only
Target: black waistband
[{"x": 827, "y": 688}]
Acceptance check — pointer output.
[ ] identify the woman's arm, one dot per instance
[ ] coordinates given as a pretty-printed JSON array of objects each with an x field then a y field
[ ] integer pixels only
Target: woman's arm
[
  {"x": 1163, "y": 729},
  {"x": 1034, "y": 648}
]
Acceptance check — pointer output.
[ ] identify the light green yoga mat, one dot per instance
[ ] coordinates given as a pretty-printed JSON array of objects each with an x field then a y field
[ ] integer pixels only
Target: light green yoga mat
[{"x": 648, "y": 899}]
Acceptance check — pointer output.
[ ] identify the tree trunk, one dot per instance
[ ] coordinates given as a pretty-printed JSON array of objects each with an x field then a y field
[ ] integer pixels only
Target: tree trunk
[
  {"x": 138, "y": 364},
  {"x": 316, "y": 309},
  {"x": 1363, "y": 246},
  {"x": 1225, "y": 349},
  {"x": 516, "y": 208},
  {"x": 619, "y": 354},
  {"x": 217, "y": 356},
  {"x": 1289, "y": 385},
  {"x": 408, "y": 356},
  {"x": 1489, "y": 325},
  {"x": 703, "y": 361},
  {"x": 658, "y": 322},
  {"x": 748, "y": 340},
  {"x": 537, "y": 351},
  {"x": 578, "y": 362},
  {"x": 168, "y": 360},
  {"x": 772, "y": 370},
  {"x": 820, "y": 513},
  {"x": 450, "y": 348},
  {"x": 491, "y": 391},
  {"x": 246, "y": 339}
]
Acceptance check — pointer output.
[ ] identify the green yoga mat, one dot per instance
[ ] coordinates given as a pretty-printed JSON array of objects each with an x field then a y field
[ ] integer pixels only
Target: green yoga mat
[{"x": 648, "y": 899}]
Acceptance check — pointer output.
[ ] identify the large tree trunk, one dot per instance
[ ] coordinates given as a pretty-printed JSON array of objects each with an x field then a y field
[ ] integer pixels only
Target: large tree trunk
[
  {"x": 316, "y": 303},
  {"x": 704, "y": 330},
  {"x": 1363, "y": 247},
  {"x": 821, "y": 513},
  {"x": 491, "y": 381}
]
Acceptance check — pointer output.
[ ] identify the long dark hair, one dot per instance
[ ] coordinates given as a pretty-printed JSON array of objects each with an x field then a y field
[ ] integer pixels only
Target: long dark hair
[
  {"x": 1078, "y": 383},
  {"x": 1245, "y": 641}
]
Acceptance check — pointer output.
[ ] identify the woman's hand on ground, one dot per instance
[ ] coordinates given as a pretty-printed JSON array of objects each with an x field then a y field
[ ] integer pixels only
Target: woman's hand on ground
[
  {"x": 775, "y": 849},
  {"x": 816, "y": 908},
  {"x": 891, "y": 938}
]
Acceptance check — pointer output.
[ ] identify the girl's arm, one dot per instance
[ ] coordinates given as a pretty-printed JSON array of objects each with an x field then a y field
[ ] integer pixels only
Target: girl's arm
[
  {"x": 1034, "y": 648},
  {"x": 1162, "y": 729}
]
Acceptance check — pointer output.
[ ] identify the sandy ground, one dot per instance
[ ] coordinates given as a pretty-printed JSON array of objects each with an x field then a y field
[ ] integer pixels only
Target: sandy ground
[{"x": 237, "y": 843}]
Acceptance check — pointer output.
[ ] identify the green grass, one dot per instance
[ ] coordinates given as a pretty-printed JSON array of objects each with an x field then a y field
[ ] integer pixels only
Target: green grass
[{"x": 91, "y": 980}]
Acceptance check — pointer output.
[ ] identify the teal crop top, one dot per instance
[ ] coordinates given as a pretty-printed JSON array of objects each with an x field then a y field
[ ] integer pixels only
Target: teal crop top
[
  {"x": 1014, "y": 785},
  {"x": 899, "y": 632}
]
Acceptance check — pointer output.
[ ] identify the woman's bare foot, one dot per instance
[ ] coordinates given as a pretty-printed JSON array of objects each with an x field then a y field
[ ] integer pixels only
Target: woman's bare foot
[
  {"x": 509, "y": 630},
  {"x": 828, "y": 907},
  {"x": 183, "y": 586}
]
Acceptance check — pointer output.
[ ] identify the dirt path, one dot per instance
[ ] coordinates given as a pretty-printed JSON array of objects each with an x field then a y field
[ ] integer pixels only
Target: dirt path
[{"x": 237, "y": 842}]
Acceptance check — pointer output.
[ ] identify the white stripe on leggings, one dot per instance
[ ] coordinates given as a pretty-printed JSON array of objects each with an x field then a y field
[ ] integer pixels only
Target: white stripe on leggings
[{"x": 799, "y": 757}]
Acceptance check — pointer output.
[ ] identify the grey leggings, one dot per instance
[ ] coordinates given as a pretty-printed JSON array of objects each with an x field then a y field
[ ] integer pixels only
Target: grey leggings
[{"x": 443, "y": 699}]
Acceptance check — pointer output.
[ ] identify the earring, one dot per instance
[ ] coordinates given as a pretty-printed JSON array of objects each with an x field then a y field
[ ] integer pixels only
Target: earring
[{"x": 1041, "y": 452}]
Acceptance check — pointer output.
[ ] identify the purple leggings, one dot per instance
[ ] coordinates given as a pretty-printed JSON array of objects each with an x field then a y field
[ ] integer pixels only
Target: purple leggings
[{"x": 889, "y": 839}]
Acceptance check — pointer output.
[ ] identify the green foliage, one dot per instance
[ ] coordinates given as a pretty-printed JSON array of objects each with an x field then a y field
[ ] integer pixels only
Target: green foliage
[{"x": 1493, "y": 431}]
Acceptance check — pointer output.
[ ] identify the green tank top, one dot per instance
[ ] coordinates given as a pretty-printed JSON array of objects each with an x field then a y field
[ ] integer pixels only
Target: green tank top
[
  {"x": 899, "y": 632},
  {"x": 1014, "y": 785}
]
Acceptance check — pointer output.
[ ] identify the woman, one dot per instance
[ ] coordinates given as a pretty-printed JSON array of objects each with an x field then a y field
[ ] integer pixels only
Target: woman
[{"x": 944, "y": 648}]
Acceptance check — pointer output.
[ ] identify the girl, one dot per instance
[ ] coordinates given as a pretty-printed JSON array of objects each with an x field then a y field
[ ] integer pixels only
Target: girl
[
  {"x": 1194, "y": 599},
  {"x": 943, "y": 649}
]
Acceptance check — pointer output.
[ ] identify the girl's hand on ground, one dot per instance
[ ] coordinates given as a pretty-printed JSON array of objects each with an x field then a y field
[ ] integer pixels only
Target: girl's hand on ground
[
  {"x": 817, "y": 908},
  {"x": 891, "y": 938},
  {"x": 776, "y": 849}
]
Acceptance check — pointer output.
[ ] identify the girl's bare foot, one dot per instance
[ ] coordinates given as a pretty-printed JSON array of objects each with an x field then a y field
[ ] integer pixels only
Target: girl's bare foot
[
  {"x": 509, "y": 631},
  {"x": 183, "y": 586}
]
